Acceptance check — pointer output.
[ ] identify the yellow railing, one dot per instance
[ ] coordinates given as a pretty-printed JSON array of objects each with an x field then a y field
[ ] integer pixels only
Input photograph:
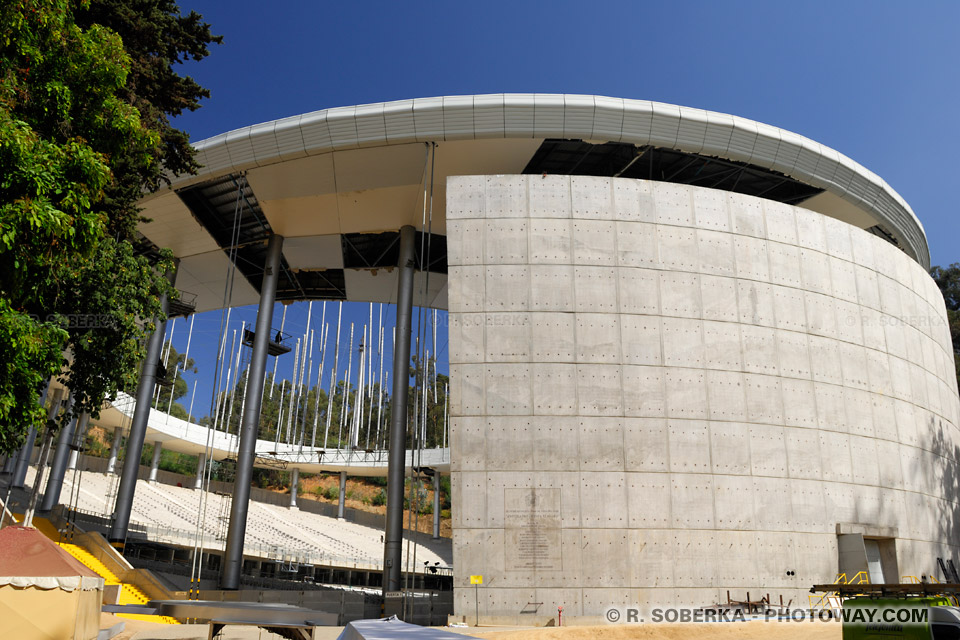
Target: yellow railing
[{"x": 832, "y": 599}]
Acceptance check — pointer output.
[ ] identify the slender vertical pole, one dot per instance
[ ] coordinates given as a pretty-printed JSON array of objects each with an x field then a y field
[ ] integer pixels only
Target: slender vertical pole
[
  {"x": 283, "y": 321},
  {"x": 333, "y": 378},
  {"x": 138, "y": 428},
  {"x": 293, "y": 390},
  {"x": 233, "y": 554},
  {"x": 393, "y": 539},
  {"x": 325, "y": 332},
  {"x": 345, "y": 402},
  {"x": 177, "y": 368}
]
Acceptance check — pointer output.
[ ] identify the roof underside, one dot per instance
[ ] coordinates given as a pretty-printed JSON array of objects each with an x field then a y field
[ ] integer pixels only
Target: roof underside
[
  {"x": 338, "y": 184},
  {"x": 646, "y": 162}
]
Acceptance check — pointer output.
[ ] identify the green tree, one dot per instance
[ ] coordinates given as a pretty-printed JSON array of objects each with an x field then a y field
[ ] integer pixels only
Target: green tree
[
  {"x": 177, "y": 363},
  {"x": 83, "y": 131},
  {"x": 948, "y": 280}
]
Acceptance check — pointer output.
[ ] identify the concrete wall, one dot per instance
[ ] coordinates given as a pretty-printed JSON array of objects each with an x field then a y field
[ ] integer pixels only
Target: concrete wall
[{"x": 661, "y": 392}]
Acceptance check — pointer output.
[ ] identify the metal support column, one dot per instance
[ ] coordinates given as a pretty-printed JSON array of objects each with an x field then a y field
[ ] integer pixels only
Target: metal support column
[
  {"x": 155, "y": 460},
  {"x": 59, "y": 467},
  {"x": 393, "y": 538},
  {"x": 114, "y": 450},
  {"x": 26, "y": 452},
  {"x": 79, "y": 437},
  {"x": 233, "y": 554},
  {"x": 294, "y": 485},
  {"x": 342, "y": 495},
  {"x": 138, "y": 427},
  {"x": 436, "y": 505},
  {"x": 201, "y": 463}
]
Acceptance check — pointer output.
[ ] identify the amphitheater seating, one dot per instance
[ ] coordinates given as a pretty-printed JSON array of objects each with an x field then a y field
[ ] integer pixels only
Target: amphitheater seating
[{"x": 170, "y": 515}]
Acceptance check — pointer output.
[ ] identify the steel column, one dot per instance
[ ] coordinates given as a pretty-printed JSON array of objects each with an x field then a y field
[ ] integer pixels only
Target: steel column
[
  {"x": 155, "y": 460},
  {"x": 79, "y": 436},
  {"x": 26, "y": 452},
  {"x": 138, "y": 427},
  {"x": 436, "y": 505},
  {"x": 233, "y": 554},
  {"x": 201, "y": 463},
  {"x": 59, "y": 467},
  {"x": 393, "y": 538},
  {"x": 294, "y": 482},
  {"x": 114, "y": 450},
  {"x": 342, "y": 497}
]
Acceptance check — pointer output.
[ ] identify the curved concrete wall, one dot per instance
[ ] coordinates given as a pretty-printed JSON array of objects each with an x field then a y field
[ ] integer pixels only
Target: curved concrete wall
[{"x": 662, "y": 392}]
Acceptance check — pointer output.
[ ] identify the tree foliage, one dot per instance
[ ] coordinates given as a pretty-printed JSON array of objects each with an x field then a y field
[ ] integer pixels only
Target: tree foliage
[
  {"x": 948, "y": 279},
  {"x": 83, "y": 131}
]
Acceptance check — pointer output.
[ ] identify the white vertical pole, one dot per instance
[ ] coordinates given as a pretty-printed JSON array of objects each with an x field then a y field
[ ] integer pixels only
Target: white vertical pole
[
  {"x": 333, "y": 378},
  {"x": 346, "y": 388},
  {"x": 283, "y": 320}
]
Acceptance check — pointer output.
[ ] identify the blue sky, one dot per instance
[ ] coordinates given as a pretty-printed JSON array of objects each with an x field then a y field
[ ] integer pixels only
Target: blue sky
[{"x": 875, "y": 80}]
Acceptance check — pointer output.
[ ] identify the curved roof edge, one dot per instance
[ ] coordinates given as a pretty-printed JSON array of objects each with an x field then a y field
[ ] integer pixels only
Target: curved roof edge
[{"x": 565, "y": 116}]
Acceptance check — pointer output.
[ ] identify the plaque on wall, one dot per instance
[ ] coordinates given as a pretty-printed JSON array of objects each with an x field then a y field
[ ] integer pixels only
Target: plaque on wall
[{"x": 531, "y": 519}]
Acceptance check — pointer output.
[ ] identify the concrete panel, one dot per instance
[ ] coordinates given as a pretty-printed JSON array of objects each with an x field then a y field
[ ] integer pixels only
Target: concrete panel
[
  {"x": 726, "y": 395},
  {"x": 751, "y": 258},
  {"x": 550, "y": 241},
  {"x": 718, "y": 298},
  {"x": 508, "y": 337},
  {"x": 637, "y": 245},
  {"x": 730, "y": 449},
  {"x": 794, "y": 354},
  {"x": 505, "y": 241},
  {"x": 721, "y": 348},
  {"x": 764, "y": 399},
  {"x": 639, "y": 291},
  {"x": 595, "y": 289},
  {"x": 710, "y": 209},
  {"x": 789, "y": 308},
  {"x": 507, "y": 389},
  {"x": 803, "y": 453},
  {"x": 599, "y": 390},
  {"x": 678, "y": 248},
  {"x": 549, "y": 197},
  {"x": 680, "y": 294},
  {"x": 747, "y": 215},
  {"x": 784, "y": 264},
  {"x": 760, "y": 353},
  {"x": 639, "y": 339},
  {"x": 756, "y": 304},
  {"x": 591, "y": 198},
  {"x": 686, "y": 393},
  {"x": 644, "y": 394},
  {"x": 715, "y": 250},
  {"x": 683, "y": 342},
  {"x": 551, "y": 288},
  {"x": 552, "y": 337},
  {"x": 689, "y": 446},
  {"x": 594, "y": 242},
  {"x": 799, "y": 403},
  {"x": 646, "y": 444},
  {"x": 598, "y": 338},
  {"x": 555, "y": 389}
]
